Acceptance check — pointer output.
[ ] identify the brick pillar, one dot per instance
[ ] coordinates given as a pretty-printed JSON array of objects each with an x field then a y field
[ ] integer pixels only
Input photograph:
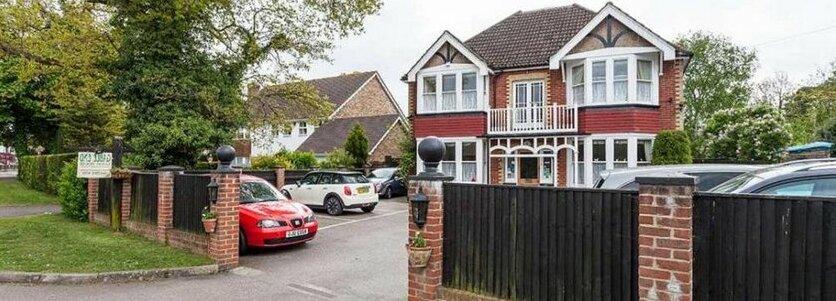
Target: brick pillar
[
  {"x": 165, "y": 200},
  {"x": 126, "y": 200},
  {"x": 280, "y": 177},
  {"x": 223, "y": 244},
  {"x": 666, "y": 240},
  {"x": 424, "y": 283},
  {"x": 92, "y": 198}
]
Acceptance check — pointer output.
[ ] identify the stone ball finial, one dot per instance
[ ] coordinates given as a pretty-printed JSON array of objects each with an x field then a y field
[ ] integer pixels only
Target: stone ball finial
[
  {"x": 225, "y": 155},
  {"x": 431, "y": 151}
]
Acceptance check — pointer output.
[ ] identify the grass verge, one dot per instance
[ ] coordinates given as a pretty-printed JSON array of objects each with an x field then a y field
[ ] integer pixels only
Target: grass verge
[
  {"x": 14, "y": 193},
  {"x": 55, "y": 244}
]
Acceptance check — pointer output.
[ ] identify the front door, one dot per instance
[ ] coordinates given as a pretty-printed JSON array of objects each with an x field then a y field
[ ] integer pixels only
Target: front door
[{"x": 528, "y": 105}]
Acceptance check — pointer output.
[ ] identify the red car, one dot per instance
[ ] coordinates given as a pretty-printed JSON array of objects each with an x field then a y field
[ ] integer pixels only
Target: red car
[{"x": 269, "y": 219}]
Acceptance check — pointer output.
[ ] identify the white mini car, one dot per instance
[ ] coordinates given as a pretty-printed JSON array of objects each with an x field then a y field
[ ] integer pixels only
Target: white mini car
[{"x": 333, "y": 191}]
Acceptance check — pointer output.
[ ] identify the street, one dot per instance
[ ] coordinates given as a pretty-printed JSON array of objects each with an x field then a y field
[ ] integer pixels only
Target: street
[{"x": 355, "y": 256}]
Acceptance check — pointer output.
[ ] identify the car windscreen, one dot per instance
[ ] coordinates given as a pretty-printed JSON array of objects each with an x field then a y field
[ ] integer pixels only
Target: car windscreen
[
  {"x": 383, "y": 173},
  {"x": 737, "y": 183},
  {"x": 708, "y": 180},
  {"x": 353, "y": 179},
  {"x": 254, "y": 192}
]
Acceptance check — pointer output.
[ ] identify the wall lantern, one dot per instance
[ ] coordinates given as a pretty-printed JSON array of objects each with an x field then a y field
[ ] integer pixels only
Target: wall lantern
[
  {"x": 212, "y": 191},
  {"x": 420, "y": 204}
]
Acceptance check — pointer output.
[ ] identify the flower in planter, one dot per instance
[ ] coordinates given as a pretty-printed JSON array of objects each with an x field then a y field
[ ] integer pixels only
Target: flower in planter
[
  {"x": 419, "y": 253},
  {"x": 418, "y": 241}
]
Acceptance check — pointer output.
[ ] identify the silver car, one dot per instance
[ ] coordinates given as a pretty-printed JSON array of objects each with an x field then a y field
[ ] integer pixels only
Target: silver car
[{"x": 707, "y": 175}]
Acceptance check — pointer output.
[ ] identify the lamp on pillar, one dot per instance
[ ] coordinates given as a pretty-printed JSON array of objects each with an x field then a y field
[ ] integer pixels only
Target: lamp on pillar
[
  {"x": 212, "y": 191},
  {"x": 225, "y": 155},
  {"x": 420, "y": 204}
]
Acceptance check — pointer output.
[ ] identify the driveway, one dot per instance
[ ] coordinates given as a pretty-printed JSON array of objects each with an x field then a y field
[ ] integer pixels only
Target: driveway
[{"x": 354, "y": 257}]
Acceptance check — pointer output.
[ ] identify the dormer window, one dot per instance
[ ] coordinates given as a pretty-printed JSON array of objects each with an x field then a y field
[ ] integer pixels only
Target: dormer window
[
  {"x": 619, "y": 79},
  {"x": 453, "y": 88}
]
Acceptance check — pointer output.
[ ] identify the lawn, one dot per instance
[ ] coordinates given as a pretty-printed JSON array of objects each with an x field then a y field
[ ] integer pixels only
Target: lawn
[
  {"x": 14, "y": 193},
  {"x": 52, "y": 243}
]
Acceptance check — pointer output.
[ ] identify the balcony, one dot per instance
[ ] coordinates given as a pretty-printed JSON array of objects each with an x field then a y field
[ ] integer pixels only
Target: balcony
[{"x": 550, "y": 119}]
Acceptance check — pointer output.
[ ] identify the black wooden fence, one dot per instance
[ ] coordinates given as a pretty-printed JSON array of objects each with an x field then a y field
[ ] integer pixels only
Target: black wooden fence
[
  {"x": 267, "y": 175},
  {"x": 753, "y": 247},
  {"x": 144, "y": 197},
  {"x": 190, "y": 197},
  {"x": 106, "y": 192},
  {"x": 541, "y": 243}
]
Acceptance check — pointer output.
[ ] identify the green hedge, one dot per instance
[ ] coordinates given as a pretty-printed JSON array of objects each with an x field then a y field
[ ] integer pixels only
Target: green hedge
[
  {"x": 43, "y": 173},
  {"x": 671, "y": 147}
]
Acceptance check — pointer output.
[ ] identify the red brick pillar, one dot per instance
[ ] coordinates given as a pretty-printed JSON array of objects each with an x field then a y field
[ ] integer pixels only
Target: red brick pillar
[
  {"x": 666, "y": 240},
  {"x": 165, "y": 200},
  {"x": 92, "y": 199},
  {"x": 424, "y": 283},
  {"x": 223, "y": 243},
  {"x": 126, "y": 200},
  {"x": 280, "y": 177}
]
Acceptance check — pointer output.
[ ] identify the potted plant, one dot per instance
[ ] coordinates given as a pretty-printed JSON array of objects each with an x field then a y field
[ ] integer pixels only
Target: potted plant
[
  {"x": 419, "y": 253},
  {"x": 209, "y": 220},
  {"x": 120, "y": 173}
]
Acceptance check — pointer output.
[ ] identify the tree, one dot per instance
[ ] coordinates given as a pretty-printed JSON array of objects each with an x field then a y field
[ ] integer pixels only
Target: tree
[
  {"x": 671, "y": 147},
  {"x": 409, "y": 154},
  {"x": 775, "y": 90},
  {"x": 181, "y": 65},
  {"x": 718, "y": 77},
  {"x": 753, "y": 133},
  {"x": 357, "y": 145},
  {"x": 337, "y": 158},
  {"x": 811, "y": 107},
  {"x": 828, "y": 133},
  {"x": 53, "y": 70}
]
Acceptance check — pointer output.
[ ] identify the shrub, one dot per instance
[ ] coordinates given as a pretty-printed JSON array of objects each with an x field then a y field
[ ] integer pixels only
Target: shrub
[
  {"x": 299, "y": 160},
  {"x": 671, "y": 147},
  {"x": 754, "y": 133},
  {"x": 43, "y": 172},
  {"x": 828, "y": 133},
  {"x": 408, "y": 153},
  {"x": 338, "y": 158},
  {"x": 270, "y": 162},
  {"x": 357, "y": 145},
  {"x": 72, "y": 193},
  {"x": 206, "y": 165}
]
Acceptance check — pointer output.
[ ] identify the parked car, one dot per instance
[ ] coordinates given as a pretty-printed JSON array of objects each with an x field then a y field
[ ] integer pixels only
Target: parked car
[
  {"x": 799, "y": 178},
  {"x": 268, "y": 219},
  {"x": 387, "y": 183},
  {"x": 708, "y": 175},
  {"x": 334, "y": 191}
]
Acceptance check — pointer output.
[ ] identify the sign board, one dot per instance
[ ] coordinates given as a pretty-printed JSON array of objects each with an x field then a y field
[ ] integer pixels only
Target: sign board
[{"x": 93, "y": 165}]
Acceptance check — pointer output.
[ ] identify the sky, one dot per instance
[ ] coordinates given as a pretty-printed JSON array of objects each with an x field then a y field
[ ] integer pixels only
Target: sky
[{"x": 796, "y": 37}]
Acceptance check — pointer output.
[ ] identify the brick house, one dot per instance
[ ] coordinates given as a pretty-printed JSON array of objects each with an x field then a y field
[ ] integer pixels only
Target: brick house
[
  {"x": 357, "y": 98},
  {"x": 547, "y": 97}
]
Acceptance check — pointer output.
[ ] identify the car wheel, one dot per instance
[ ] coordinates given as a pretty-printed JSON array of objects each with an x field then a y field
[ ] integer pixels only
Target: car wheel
[
  {"x": 242, "y": 242},
  {"x": 369, "y": 209},
  {"x": 387, "y": 193},
  {"x": 333, "y": 205}
]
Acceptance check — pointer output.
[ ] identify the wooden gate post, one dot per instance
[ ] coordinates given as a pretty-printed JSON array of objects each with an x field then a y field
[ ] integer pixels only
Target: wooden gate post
[
  {"x": 424, "y": 283},
  {"x": 666, "y": 240},
  {"x": 223, "y": 243}
]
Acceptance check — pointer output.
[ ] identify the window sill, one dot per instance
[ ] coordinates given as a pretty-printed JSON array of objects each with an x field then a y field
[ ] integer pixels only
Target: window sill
[
  {"x": 620, "y": 104},
  {"x": 450, "y": 112}
]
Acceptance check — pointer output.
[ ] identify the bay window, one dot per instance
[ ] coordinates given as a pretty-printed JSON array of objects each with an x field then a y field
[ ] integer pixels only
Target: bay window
[
  {"x": 469, "y": 162},
  {"x": 620, "y": 153},
  {"x": 599, "y": 158},
  {"x": 618, "y": 79},
  {"x": 600, "y": 152},
  {"x": 458, "y": 88},
  {"x": 644, "y": 152},
  {"x": 462, "y": 160},
  {"x": 448, "y": 162},
  {"x": 581, "y": 163}
]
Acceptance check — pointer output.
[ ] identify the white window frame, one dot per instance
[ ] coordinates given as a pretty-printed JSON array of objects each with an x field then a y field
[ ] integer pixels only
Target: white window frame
[
  {"x": 451, "y": 69},
  {"x": 632, "y": 79},
  {"x": 585, "y": 159},
  {"x": 480, "y": 158},
  {"x": 303, "y": 125}
]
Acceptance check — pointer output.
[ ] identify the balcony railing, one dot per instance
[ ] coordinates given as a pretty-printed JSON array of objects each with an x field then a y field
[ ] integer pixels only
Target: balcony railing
[{"x": 545, "y": 119}]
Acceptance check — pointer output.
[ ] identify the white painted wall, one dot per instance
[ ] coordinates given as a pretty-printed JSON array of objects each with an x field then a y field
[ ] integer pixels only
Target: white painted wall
[{"x": 265, "y": 141}]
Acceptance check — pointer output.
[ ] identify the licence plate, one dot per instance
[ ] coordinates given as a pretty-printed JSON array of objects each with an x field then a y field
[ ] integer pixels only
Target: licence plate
[
  {"x": 294, "y": 233},
  {"x": 363, "y": 189}
]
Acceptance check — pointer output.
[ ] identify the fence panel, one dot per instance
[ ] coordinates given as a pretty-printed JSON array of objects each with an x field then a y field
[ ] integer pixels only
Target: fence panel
[
  {"x": 190, "y": 198},
  {"x": 106, "y": 192},
  {"x": 533, "y": 243},
  {"x": 755, "y": 247},
  {"x": 144, "y": 193},
  {"x": 293, "y": 175},
  {"x": 267, "y": 175}
]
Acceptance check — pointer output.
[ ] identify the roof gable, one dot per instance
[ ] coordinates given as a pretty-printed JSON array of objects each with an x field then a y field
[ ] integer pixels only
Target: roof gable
[
  {"x": 611, "y": 11},
  {"x": 447, "y": 38},
  {"x": 528, "y": 39}
]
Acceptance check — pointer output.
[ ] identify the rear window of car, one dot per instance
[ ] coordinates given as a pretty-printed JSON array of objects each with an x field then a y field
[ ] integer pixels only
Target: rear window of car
[
  {"x": 354, "y": 179},
  {"x": 737, "y": 183},
  {"x": 708, "y": 180}
]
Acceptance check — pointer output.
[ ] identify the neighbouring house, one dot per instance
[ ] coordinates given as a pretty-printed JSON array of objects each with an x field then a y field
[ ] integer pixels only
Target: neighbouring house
[
  {"x": 357, "y": 98},
  {"x": 815, "y": 150},
  {"x": 547, "y": 97}
]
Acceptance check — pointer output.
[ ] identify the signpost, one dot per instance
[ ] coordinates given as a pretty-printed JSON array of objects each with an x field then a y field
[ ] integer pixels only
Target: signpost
[{"x": 94, "y": 165}]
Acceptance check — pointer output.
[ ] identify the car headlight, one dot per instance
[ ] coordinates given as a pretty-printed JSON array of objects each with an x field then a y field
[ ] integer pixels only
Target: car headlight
[
  {"x": 269, "y": 223},
  {"x": 310, "y": 218}
]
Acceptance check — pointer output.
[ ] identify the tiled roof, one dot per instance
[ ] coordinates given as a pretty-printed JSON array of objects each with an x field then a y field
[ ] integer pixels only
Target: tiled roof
[
  {"x": 527, "y": 39},
  {"x": 337, "y": 89},
  {"x": 332, "y": 133}
]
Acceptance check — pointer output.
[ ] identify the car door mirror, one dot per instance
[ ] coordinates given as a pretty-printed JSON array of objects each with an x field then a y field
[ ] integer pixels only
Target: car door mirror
[{"x": 298, "y": 183}]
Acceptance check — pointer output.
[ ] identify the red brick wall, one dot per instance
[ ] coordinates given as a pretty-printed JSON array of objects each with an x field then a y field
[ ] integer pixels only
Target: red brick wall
[
  {"x": 411, "y": 101},
  {"x": 165, "y": 204},
  {"x": 126, "y": 200},
  {"x": 223, "y": 243},
  {"x": 195, "y": 242},
  {"x": 92, "y": 198},
  {"x": 450, "y": 125},
  {"x": 618, "y": 120},
  {"x": 424, "y": 283},
  {"x": 670, "y": 95},
  {"x": 149, "y": 231}
]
